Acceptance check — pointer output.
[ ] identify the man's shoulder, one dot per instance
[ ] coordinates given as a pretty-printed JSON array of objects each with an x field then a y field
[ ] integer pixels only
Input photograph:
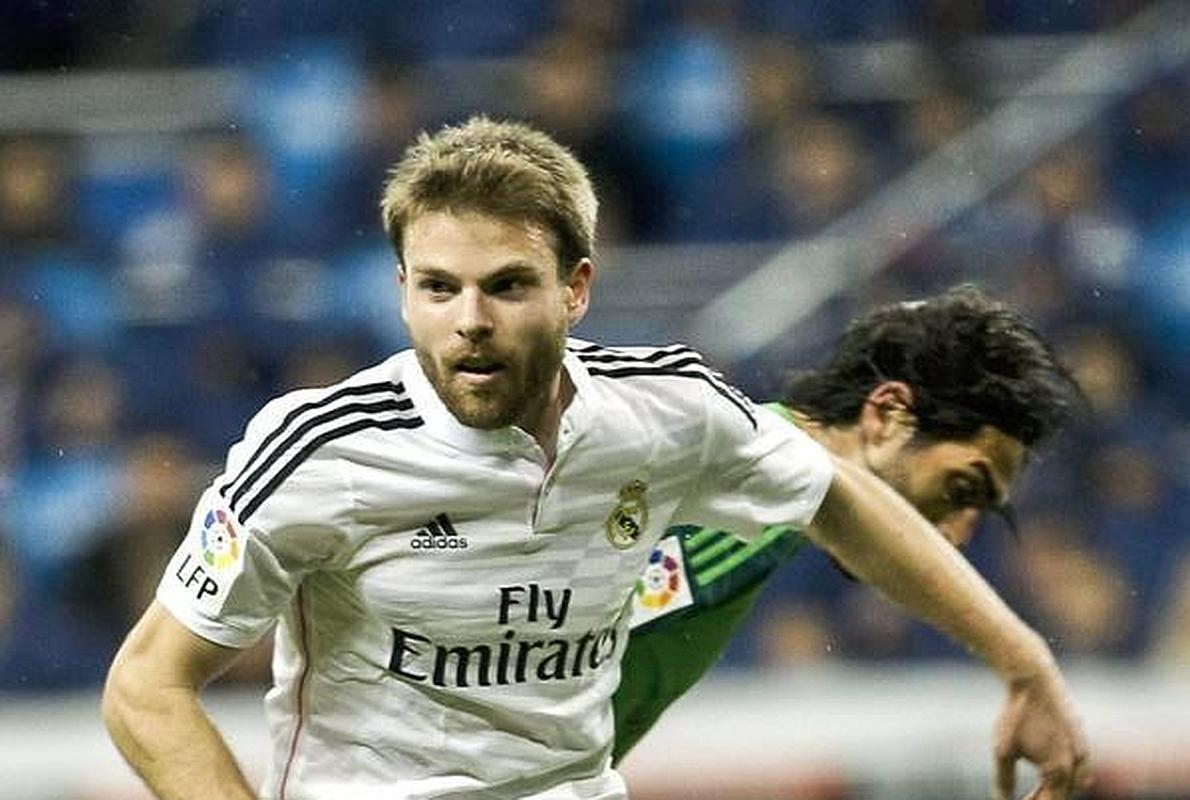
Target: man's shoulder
[
  {"x": 660, "y": 367},
  {"x": 373, "y": 398},
  {"x": 296, "y": 437},
  {"x": 675, "y": 372}
]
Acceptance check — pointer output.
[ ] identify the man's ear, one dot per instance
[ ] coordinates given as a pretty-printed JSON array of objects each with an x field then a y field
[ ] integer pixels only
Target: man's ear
[
  {"x": 887, "y": 413},
  {"x": 578, "y": 290}
]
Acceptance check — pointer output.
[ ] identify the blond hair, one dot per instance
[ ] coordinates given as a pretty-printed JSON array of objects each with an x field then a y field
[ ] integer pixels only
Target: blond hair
[{"x": 506, "y": 169}]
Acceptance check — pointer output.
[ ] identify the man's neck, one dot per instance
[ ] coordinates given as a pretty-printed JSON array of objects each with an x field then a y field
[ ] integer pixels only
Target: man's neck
[
  {"x": 841, "y": 440},
  {"x": 543, "y": 424}
]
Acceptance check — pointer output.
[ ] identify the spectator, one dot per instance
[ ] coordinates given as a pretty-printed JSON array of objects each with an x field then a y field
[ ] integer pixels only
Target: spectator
[
  {"x": 820, "y": 165},
  {"x": 1134, "y": 510},
  {"x": 569, "y": 83},
  {"x": 1070, "y": 590},
  {"x": 65, "y": 491},
  {"x": 780, "y": 83},
  {"x": 186, "y": 284},
  {"x": 34, "y": 202},
  {"x": 685, "y": 114}
]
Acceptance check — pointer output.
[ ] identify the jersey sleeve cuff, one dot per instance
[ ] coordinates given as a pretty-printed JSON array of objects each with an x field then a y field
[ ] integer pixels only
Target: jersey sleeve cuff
[{"x": 220, "y": 633}]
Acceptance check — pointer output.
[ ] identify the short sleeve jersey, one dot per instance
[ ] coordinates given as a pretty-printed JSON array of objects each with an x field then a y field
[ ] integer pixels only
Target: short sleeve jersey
[{"x": 450, "y": 606}]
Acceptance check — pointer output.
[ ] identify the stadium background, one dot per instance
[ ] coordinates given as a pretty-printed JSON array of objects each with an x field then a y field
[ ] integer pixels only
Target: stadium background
[{"x": 188, "y": 226}]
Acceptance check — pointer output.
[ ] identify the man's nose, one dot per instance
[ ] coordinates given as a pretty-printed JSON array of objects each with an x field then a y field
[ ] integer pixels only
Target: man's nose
[
  {"x": 959, "y": 526},
  {"x": 474, "y": 320}
]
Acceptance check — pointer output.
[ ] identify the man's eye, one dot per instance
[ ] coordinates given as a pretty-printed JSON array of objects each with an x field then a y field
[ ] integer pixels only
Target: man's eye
[
  {"x": 962, "y": 494},
  {"x": 510, "y": 286},
  {"x": 435, "y": 287}
]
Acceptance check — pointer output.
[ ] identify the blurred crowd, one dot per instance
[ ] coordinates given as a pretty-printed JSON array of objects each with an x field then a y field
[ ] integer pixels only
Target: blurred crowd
[{"x": 157, "y": 287}]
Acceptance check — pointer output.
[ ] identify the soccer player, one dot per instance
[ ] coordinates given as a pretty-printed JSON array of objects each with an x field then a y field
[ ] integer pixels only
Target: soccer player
[
  {"x": 447, "y": 541},
  {"x": 942, "y": 399}
]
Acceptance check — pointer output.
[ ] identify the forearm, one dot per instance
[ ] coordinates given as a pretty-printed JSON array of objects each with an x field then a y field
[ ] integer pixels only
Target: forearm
[
  {"x": 152, "y": 710},
  {"x": 167, "y": 737},
  {"x": 884, "y": 541}
]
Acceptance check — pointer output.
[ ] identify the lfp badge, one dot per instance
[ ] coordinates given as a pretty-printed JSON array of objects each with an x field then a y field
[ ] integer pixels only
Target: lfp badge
[
  {"x": 662, "y": 588},
  {"x": 220, "y": 543}
]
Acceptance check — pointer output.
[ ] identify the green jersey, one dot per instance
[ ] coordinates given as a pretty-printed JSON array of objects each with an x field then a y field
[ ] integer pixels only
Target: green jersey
[{"x": 695, "y": 593}]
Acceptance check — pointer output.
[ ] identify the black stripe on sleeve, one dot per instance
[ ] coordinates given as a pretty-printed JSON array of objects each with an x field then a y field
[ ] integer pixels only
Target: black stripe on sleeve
[
  {"x": 312, "y": 446},
  {"x": 723, "y": 389},
  {"x": 595, "y": 353},
  {"x": 348, "y": 391},
  {"x": 374, "y": 407},
  {"x": 619, "y": 363},
  {"x": 688, "y": 361}
]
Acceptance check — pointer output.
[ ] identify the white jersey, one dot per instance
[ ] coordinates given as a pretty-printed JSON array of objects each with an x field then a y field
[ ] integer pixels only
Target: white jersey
[{"x": 449, "y": 606}]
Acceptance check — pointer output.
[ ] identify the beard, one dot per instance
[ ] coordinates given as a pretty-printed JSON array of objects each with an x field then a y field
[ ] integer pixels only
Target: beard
[{"x": 521, "y": 389}]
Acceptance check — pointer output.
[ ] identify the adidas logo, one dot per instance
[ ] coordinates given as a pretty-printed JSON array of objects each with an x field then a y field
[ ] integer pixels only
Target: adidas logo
[{"x": 438, "y": 534}]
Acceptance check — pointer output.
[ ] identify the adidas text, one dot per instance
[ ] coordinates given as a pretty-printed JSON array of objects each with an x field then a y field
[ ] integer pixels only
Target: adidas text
[
  {"x": 438, "y": 542},
  {"x": 438, "y": 534}
]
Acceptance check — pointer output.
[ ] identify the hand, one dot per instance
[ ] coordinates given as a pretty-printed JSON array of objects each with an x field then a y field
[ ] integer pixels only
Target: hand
[{"x": 1038, "y": 724}]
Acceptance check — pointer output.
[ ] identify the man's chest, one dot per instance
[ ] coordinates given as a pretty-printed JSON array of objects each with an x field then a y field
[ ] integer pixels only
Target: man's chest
[{"x": 466, "y": 550}]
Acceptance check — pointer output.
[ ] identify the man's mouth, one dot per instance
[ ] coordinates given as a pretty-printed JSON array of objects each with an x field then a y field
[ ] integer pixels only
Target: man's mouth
[{"x": 478, "y": 367}]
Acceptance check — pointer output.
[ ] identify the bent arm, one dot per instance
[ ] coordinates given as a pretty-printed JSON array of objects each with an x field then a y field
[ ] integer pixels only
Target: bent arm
[
  {"x": 881, "y": 539},
  {"x": 153, "y": 714},
  {"x": 876, "y": 535}
]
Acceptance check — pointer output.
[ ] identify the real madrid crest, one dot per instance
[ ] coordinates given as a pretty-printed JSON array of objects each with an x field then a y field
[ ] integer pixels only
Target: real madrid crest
[{"x": 630, "y": 516}]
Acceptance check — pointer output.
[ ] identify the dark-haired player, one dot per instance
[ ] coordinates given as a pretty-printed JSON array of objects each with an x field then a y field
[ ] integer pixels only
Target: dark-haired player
[{"x": 942, "y": 399}]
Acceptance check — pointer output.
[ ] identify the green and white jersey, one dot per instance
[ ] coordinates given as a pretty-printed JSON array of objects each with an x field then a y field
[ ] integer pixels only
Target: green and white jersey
[
  {"x": 449, "y": 604},
  {"x": 696, "y": 592}
]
